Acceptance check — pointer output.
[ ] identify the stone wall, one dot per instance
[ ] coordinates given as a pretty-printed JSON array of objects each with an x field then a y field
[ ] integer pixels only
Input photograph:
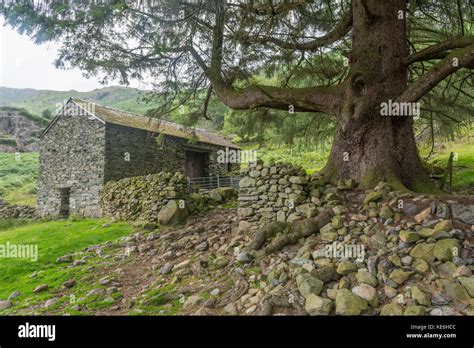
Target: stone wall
[
  {"x": 72, "y": 156},
  {"x": 15, "y": 211},
  {"x": 133, "y": 152},
  {"x": 280, "y": 192},
  {"x": 142, "y": 197}
]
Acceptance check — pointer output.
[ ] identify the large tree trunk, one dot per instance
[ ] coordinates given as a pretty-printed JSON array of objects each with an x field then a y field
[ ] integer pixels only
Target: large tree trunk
[
  {"x": 373, "y": 149},
  {"x": 369, "y": 147}
]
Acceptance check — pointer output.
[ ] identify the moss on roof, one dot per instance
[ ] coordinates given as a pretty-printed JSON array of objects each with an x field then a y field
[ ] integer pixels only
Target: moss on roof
[{"x": 129, "y": 119}]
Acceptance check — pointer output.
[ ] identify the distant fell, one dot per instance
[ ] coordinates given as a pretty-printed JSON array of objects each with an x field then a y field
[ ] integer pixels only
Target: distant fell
[{"x": 37, "y": 101}]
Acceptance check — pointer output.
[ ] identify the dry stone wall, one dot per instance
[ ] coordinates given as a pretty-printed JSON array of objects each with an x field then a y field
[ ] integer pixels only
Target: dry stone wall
[
  {"x": 15, "y": 211},
  {"x": 143, "y": 197},
  {"x": 281, "y": 192}
]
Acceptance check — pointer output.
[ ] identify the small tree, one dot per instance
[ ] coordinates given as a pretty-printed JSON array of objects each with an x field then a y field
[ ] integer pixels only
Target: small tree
[{"x": 46, "y": 113}]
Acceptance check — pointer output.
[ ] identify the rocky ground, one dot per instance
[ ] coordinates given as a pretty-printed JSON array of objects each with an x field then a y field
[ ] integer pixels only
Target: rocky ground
[
  {"x": 21, "y": 130},
  {"x": 381, "y": 253}
]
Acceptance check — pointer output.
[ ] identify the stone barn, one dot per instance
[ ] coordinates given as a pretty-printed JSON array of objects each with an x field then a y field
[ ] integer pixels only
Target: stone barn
[{"x": 87, "y": 145}]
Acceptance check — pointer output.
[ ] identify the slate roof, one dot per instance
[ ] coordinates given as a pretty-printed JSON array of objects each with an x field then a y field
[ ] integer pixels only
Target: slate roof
[{"x": 130, "y": 119}]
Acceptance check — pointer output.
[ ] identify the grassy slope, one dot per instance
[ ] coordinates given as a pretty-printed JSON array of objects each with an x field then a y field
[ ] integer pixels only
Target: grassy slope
[
  {"x": 463, "y": 168},
  {"x": 54, "y": 239},
  {"x": 35, "y": 101},
  {"x": 18, "y": 177},
  {"x": 314, "y": 160},
  {"x": 310, "y": 160}
]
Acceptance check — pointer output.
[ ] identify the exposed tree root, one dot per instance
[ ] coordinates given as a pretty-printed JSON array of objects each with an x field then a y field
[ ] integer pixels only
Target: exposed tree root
[
  {"x": 269, "y": 303},
  {"x": 295, "y": 230},
  {"x": 241, "y": 287},
  {"x": 265, "y": 233}
]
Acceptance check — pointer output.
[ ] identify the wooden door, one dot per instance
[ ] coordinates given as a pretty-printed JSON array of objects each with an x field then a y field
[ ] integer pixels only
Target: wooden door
[
  {"x": 195, "y": 164},
  {"x": 64, "y": 202}
]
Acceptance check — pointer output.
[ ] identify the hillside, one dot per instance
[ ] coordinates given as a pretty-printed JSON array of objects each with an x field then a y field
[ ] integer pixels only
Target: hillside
[
  {"x": 19, "y": 130},
  {"x": 36, "y": 101}
]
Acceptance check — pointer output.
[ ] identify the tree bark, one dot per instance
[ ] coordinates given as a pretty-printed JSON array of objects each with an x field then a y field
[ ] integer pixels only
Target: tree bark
[{"x": 367, "y": 146}]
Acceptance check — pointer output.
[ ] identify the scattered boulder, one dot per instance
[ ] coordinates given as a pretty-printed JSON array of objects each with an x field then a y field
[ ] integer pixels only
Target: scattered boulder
[
  {"x": 409, "y": 236},
  {"x": 367, "y": 292},
  {"x": 420, "y": 217},
  {"x": 166, "y": 269},
  {"x": 51, "y": 302},
  {"x": 69, "y": 283},
  {"x": 172, "y": 213},
  {"x": 348, "y": 303},
  {"x": 399, "y": 276},
  {"x": 64, "y": 259},
  {"x": 244, "y": 257},
  {"x": 316, "y": 305},
  {"x": 443, "y": 226},
  {"x": 307, "y": 284},
  {"x": 463, "y": 213},
  {"x": 14, "y": 295},
  {"x": 365, "y": 277},
  {"x": 420, "y": 296},
  {"x": 192, "y": 301},
  {"x": 446, "y": 249},
  {"x": 423, "y": 251},
  {"x": 391, "y": 309},
  {"x": 41, "y": 288},
  {"x": 414, "y": 310},
  {"x": 468, "y": 284},
  {"x": 457, "y": 292},
  {"x": 346, "y": 267},
  {"x": 5, "y": 304},
  {"x": 221, "y": 262}
]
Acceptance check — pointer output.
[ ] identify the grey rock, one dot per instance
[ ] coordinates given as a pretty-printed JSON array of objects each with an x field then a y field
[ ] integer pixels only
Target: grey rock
[
  {"x": 411, "y": 209},
  {"x": 41, "y": 288},
  {"x": 50, "y": 302},
  {"x": 167, "y": 268},
  {"x": 464, "y": 213},
  {"x": 14, "y": 295},
  {"x": 5, "y": 304},
  {"x": 64, "y": 259},
  {"x": 202, "y": 246},
  {"x": 244, "y": 257}
]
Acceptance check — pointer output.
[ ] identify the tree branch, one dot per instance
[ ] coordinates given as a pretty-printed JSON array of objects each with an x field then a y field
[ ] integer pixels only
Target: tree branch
[
  {"x": 438, "y": 51},
  {"x": 461, "y": 58},
  {"x": 336, "y": 34},
  {"x": 309, "y": 99}
]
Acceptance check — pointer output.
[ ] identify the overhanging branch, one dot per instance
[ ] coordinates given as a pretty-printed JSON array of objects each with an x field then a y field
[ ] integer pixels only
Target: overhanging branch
[
  {"x": 339, "y": 32},
  {"x": 438, "y": 51},
  {"x": 460, "y": 58}
]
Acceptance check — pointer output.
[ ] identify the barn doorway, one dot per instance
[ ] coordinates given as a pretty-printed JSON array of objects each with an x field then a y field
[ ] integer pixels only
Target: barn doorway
[
  {"x": 65, "y": 194},
  {"x": 195, "y": 164}
]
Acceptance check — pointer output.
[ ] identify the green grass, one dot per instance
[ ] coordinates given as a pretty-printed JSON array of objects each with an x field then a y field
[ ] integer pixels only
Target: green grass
[
  {"x": 6, "y": 224},
  {"x": 314, "y": 159},
  {"x": 54, "y": 239},
  {"x": 309, "y": 158},
  {"x": 158, "y": 299},
  {"x": 463, "y": 168},
  {"x": 18, "y": 177}
]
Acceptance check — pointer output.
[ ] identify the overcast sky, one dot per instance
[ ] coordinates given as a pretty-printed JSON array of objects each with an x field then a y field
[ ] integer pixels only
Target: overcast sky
[{"x": 26, "y": 65}]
